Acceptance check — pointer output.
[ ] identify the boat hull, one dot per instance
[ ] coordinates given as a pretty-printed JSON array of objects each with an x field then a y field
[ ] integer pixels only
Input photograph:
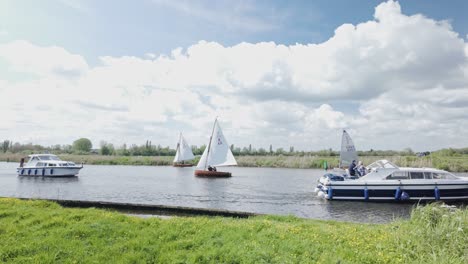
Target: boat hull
[
  {"x": 212, "y": 174},
  {"x": 182, "y": 165},
  {"x": 49, "y": 171},
  {"x": 395, "y": 192}
]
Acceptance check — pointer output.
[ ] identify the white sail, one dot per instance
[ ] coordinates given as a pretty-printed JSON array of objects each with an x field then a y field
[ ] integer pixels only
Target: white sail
[
  {"x": 217, "y": 153},
  {"x": 184, "y": 151},
  {"x": 348, "y": 151}
]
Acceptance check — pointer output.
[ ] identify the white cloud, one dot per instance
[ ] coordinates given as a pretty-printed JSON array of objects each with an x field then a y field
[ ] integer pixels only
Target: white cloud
[
  {"x": 43, "y": 61},
  {"x": 397, "y": 81}
]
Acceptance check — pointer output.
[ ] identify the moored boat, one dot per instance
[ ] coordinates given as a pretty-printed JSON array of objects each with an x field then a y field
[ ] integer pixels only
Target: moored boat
[
  {"x": 217, "y": 154},
  {"x": 388, "y": 182},
  {"x": 183, "y": 153},
  {"x": 47, "y": 165}
]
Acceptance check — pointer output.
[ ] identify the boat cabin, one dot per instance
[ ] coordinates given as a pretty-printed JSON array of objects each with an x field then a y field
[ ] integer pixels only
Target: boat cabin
[
  {"x": 47, "y": 160},
  {"x": 385, "y": 170}
]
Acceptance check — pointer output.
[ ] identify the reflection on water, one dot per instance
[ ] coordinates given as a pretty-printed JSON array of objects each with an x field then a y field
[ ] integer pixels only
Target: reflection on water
[{"x": 260, "y": 190}]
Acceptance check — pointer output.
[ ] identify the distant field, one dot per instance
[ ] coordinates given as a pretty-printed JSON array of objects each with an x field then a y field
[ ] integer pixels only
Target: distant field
[
  {"x": 44, "y": 232},
  {"x": 450, "y": 163}
]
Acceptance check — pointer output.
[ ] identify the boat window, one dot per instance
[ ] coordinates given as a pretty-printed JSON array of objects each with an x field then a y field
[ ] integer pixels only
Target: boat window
[
  {"x": 442, "y": 175},
  {"x": 49, "y": 157},
  {"x": 427, "y": 175},
  {"x": 398, "y": 175},
  {"x": 51, "y": 164},
  {"x": 415, "y": 175},
  {"x": 40, "y": 164}
]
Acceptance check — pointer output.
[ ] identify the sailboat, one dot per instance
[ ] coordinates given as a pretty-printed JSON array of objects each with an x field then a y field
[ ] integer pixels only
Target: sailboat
[
  {"x": 217, "y": 154},
  {"x": 348, "y": 151},
  {"x": 183, "y": 153}
]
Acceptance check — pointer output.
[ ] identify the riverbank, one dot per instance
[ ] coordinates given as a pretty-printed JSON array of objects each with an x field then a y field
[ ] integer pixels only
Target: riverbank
[
  {"x": 44, "y": 232},
  {"x": 450, "y": 163}
]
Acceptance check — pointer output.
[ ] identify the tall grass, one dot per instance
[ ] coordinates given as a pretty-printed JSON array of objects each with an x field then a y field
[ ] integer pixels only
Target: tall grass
[
  {"x": 450, "y": 163},
  {"x": 43, "y": 232}
]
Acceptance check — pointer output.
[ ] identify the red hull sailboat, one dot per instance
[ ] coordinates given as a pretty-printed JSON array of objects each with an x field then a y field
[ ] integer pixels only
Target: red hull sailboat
[{"x": 217, "y": 154}]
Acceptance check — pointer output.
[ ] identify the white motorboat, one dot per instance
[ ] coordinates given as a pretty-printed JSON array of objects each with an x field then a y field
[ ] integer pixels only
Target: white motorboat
[
  {"x": 388, "y": 182},
  {"x": 48, "y": 165}
]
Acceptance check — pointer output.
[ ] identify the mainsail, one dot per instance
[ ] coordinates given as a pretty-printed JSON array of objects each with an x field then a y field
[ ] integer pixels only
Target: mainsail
[
  {"x": 348, "y": 151},
  {"x": 218, "y": 152},
  {"x": 183, "y": 152}
]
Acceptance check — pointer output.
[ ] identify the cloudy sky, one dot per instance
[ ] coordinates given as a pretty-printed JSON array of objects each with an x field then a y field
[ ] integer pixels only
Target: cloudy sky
[{"x": 294, "y": 73}]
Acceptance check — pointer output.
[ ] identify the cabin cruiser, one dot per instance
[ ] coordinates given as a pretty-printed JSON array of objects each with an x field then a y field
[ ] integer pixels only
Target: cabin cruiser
[
  {"x": 47, "y": 165},
  {"x": 388, "y": 182}
]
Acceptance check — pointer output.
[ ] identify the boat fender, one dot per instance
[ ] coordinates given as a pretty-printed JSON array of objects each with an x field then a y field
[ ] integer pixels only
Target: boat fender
[
  {"x": 51, "y": 171},
  {"x": 29, "y": 172},
  {"x": 330, "y": 193},
  {"x": 43, "y": 171},
  {"x": 366, "y": 194},
  {"x": 35, "y": 171},
  {"x": 22, "y": 172},
  {"x": 404, "y": 196},
  {"x": 398, "y": 193},
  {"x": 321, "y": 194},
  {"x": 436, "y": 193}
]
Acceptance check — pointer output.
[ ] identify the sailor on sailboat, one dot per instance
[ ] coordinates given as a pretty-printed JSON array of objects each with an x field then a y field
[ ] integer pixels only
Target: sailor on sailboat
[
  {"x": 217, "y": 154},
  {"x": 183, "y": 153}
]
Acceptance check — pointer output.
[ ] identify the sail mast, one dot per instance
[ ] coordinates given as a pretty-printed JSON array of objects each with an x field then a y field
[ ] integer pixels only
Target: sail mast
[
  {"x": 341, "y": 150},
  {"x": 209, "y": 144}
]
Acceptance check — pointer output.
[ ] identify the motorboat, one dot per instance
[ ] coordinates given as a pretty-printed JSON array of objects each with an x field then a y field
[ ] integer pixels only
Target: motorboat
[
  {"x": 388, "y": 182},
  {"x": 47, "y": 165},
  {"x": 217, "y": 154}
]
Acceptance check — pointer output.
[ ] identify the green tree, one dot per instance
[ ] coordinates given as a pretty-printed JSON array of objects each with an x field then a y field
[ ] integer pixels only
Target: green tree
[
  {"x": 82, "y": 145},
  {"x": 6, "y": 145},
  {"x": 107, "y": 148}
]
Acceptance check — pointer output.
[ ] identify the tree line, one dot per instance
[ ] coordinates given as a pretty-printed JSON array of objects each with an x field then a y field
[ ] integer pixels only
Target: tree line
[{"x": 85, "y": 146}]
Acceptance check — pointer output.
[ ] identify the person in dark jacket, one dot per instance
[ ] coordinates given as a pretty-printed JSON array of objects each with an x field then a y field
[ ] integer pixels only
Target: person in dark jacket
[{"x": 352, "y": 167}]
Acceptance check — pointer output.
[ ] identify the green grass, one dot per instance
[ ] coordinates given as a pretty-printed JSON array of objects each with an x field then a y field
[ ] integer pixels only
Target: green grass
[
  {"x": 44, "y": 232},
  {"x": 450, "y": 163}
]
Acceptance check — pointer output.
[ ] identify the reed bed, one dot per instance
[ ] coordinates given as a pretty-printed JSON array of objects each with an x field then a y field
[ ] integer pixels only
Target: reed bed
[
  {"x": 450, "y": 163},
  {"x": 44, "y": 232}
]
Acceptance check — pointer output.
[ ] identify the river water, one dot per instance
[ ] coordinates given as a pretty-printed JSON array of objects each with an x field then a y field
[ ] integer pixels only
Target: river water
[{"x": 259, "y": 190}]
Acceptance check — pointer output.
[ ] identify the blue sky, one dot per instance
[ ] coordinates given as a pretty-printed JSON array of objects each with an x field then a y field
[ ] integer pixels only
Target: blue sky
[
  {"x": 287, "y": 73},
  {"x": 119, "y": 28}
]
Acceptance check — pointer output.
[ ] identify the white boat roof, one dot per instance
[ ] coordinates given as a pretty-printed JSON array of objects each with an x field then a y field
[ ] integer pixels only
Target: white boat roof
[
  {"x": 41, "y": 155},
  {"x": 382, "y": 168}
]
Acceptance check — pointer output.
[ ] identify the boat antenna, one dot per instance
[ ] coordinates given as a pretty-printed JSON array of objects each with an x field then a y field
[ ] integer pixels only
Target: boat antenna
[{"x": 209, "y": 144}]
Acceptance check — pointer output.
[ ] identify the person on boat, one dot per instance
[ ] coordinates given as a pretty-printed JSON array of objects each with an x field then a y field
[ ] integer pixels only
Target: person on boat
[
  {"x": 214, "y": 168},
  {"x": 352, "y": 167},
  {"x": 361, "y": 169},
  {"x": 210, "y": 168}
]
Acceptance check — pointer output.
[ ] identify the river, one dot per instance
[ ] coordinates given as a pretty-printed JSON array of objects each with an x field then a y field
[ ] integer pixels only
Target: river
[{"x": 258, "y": 190}]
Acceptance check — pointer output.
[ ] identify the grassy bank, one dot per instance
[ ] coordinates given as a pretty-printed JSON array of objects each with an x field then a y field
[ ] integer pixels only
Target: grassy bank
[
  {"x": 44, "y": 232},
  {"x": 450, "y": 163}
]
